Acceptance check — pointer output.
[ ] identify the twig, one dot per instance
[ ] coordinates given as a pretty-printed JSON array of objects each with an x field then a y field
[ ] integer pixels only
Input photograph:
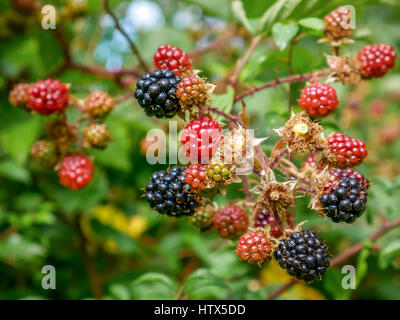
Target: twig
[
  {"x": 123, "y": 32},
  {"x": 386, "y": 226},
  {"x": 290, "y": 79},
  {"x": 230, "y": 117}
]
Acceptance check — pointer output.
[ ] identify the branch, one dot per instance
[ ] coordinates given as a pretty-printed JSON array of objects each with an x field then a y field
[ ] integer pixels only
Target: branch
[
  {"x": 123, "y": 32},
  {"x": 386, "y": 226},
  {"x": 290, "y": 79}
]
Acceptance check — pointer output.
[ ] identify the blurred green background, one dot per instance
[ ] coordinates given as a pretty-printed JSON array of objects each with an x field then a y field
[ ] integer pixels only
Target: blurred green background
[{"x": 104, "y": 241}]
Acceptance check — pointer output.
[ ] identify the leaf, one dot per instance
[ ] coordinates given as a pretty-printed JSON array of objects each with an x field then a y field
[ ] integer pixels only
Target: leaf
[
  {"x": 255, "y": 8},
  {"x": 284, "y": 33},
  {"x": 14, "y": 172},
  {"x": 16, "y": 249},
  {"x": 202, "y": 284},
  {"x": 119, "y": 291},
  {"x": 389, "y": 254},
  {"x": 312, "y": 23},
  {"x": 240, "y": 14},
  {"x": 362, "y": 262},
  {"x": 155, "y": 286},
  {"x": 223, "y": 102}
]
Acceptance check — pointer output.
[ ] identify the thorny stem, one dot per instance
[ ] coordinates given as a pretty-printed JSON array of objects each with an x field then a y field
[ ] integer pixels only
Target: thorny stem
[
  {"x": 386, "y": 227},
  {"x": 290, "y": 79},
  {"x": 123, "y": 32}
]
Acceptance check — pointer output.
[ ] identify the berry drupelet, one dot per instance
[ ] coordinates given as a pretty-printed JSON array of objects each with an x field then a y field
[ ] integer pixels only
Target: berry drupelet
[
  {"x": 231, "y": 222},
  {"x": 172, "y": 58},
  {"x": 346, "y": 201},
  {"x": 196, "y": 177},
  {"x": 350, "y": 172},
  {"x": 337, "y": 24},
  {"x": 318, "y": 99},
  {"x": 168, "y": 193},
  {"x": 254, "y": 247},
  {"x": 304, "y": 255},
  {"x": 200, "y": 139},
  {"x": 76, "y": 171},
  {"x": 376, "y": 60},
  {"x": 348, "y": 151},
  {"x": 156, "y": 93},
  {"x": 48, "y": 96}
]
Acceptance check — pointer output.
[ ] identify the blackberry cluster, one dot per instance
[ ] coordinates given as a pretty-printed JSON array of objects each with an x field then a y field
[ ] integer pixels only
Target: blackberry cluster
[
  {"x": 173, "y": 58},
  {"x": 318, "y": 99},
  {"x": 337, "y": 24},
  {"x": 346, "y": 173},
  {"x": 254, "y": 247},
  {"x": 98, "y": 104},
  {"x": 348, "y": 151},
  {"x": 264, "y": 218},
  {"x": 376, "y": 60},
  {"x": 345, "y": 202},
  {"x": 168, "y": 193},
  {"x": 76, "y": 171},
  {"x": 196, "y": 177},
  {"x": 202, "y": 220},
  {"x": 304, "y": 255},
  {"x": 218, "y": 172},
  {"x": 231, "y": 222},
  {"x": 156, "y": 93}
]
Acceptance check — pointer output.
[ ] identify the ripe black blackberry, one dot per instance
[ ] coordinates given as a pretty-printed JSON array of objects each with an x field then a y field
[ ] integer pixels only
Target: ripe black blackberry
[
  {"x": 156, "y": 93},
  {"x": 168, "y": 193},
  {"x": 346, "y": 201},
  {"x": 304, "y": 255}
]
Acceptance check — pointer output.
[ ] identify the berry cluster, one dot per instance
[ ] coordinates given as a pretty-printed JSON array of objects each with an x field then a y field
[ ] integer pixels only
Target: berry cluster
[
  {"x": 254, "y": 247},
  {"x": 318, "y": 99},
  {"x": 218, "y": 172},
  {"x": 264, "y": 218},
  {"x": 348, "y": 151},
  {"x": 196, "y": 177},
  {"x": 347, "y": 201},
  {"x": 192, "y": 91},
  {"x": 98, "y": 104},
  {"x": 156, "y": 93},
  {"x": 304, "y": 255},
  {"x": 168, "y": 193},
  {"x": 337, "y": 24},
  {"x": 76, "y": 171}
]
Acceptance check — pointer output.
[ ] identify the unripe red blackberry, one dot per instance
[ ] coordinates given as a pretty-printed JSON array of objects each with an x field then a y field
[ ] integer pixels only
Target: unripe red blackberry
[
  {"x": 196, "y": 177},
  {"x": 168, "y": 193},
  {"x": 254, "y": 247},
  {"x": 18, "y": 96},
  {"x": 231, "y": 222},
  {"x": 202, "y": 219},
  {"x": 346, "y": 200},
  {"x": 44, "y": 151},
  {"x": 218, "y": 172},
  {"x": 98, "y": 104},
  {"x": 172, "y": 58},
  {"x": 264, "y": 218},
  {"x": 193, "y": 91},
  {"x": 97, "y": 135},
  {"x": 48, "y": 96},
  {"x": 304, "y": 255},
  {"x": 156, "y": 93},
  {"x": 200, "y": 139},
  {"x": 376, "y": 60},
  {"x": 348, "y": 151},
  {"x": 318, "y": 99},
  {"x": 337, "y": 24},
  {"x": 310, "y": 163},
  {"x": 76, "y": 171}
]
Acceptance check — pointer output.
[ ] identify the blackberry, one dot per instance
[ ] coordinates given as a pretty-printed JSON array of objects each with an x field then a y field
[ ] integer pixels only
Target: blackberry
[
  {"x": 348, "y": 151},
  {"x": 345, "y": 173},
  {"x": 337, "y": 24},
  {"x": 97, "y": 135},
  {"x": 304, "y": 255},
  {"x": 202, "y": 219},
  {"x": 196, "y": 177},
  {"x": 218, "y": 172},
  {"x": 76, "y": 171},
  {"x": 98, "y": 104},
  {"x": 18, "y": 96},
  {"x": 173, "y": 58},
  {"x": 254, "y": 247},
  {"x": 264, "y": 218},
  {"x": 346, "y": 201},
  {"x": 156, "y": 93},
  {"x": 231, "y": 222},
  {"x": 376, "y": 60},
  {"x": 168, "y": 193},
  {"x": 318, "y": 100}
]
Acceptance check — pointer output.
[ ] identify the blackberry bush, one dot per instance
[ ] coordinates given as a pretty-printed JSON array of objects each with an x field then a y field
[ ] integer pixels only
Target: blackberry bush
[{"x": 156, "y": 93}]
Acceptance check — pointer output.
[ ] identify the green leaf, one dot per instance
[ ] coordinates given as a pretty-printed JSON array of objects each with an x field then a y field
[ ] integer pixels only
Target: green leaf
[
  {"x": 16, "y": 249},
  {"x": 223, "y": 102},
  {"x": 119, "y": 292},
  {"x": 362, "y": 262},
  {"x": 312, "y": 23},
  {"x": 255, "y": 8},
  {"x": 202, "y": 284},
  {"x": 155, "y": 286},
  {"x": 389, "y": 254},
  {"x": 284, "y": 33},
  {"x": 15, "y": 172},
  {"x": 240, "y": 14}
]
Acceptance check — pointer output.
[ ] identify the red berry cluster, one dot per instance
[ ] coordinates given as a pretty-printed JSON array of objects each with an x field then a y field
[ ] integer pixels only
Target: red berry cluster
[
  {"x": 376, "y": 60},
  {"x": 337, "y": 24},
  {"x": 172, "y": 58},
  {"x": 264, "y": 218},
  {"x": 196, "y": 177},
  {"x": 76, "y": 171},
  {"x": 192, "y": 91},
  {"x": 348, "y": 151},
  {"x": 48, "y": 96},
  {"x": 318, "y": 99},
  {"x": 200, "y": 139},
  {"x": 254, "y": 247},
  {"x": 231, "y": 222}
]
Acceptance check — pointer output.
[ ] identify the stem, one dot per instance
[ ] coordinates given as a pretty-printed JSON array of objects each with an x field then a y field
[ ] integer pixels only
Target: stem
[
  {"x": 123, "y": 32},
  {"x": 386, "y": 226},
  {"x": 290, "y": 79}
]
